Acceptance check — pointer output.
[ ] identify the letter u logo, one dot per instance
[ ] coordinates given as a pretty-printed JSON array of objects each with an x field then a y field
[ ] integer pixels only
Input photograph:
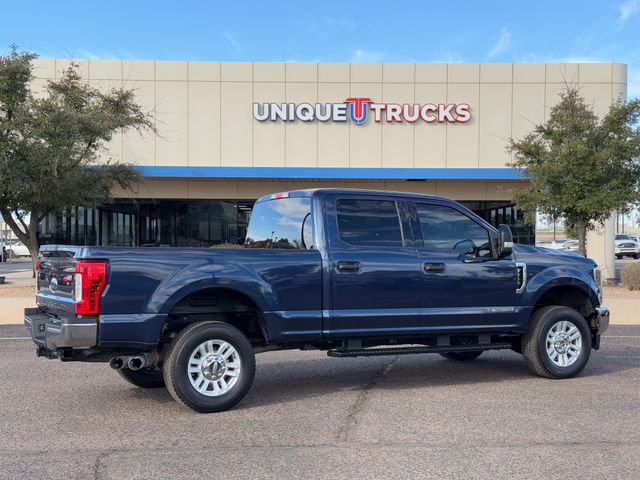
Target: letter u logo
[{"x": 358, "y": 109}]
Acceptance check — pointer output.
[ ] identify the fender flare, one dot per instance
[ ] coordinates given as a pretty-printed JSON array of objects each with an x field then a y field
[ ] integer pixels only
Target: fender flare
[
  {"x": 561, "y": 276},
  {"x": 233, "y": 278}
]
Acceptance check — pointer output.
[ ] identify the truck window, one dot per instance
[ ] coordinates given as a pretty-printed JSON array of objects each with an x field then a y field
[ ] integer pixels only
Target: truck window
[
  {"x": 445, "y": 228},
  {"x": 371, "y": 223},
  {"x": 279, "y": 223}
]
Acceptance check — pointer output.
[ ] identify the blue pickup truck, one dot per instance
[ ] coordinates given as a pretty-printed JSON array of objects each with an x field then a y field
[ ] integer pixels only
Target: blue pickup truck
[{"x": 352, "y": 272}]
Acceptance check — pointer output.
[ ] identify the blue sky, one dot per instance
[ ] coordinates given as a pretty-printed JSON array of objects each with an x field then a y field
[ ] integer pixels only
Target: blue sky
[{"x": 328, "y": 31}]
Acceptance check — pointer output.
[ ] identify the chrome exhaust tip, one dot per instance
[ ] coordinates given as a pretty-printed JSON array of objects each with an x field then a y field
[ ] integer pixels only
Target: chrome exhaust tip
[
  {"x": 136, "y": 363},
  {"x": 116, "y": 363}
]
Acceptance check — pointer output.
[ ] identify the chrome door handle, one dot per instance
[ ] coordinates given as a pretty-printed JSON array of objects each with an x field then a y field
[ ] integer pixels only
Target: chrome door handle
[
  {"x": 433, "y": 267},
  {"x": 348, "y": 267}
]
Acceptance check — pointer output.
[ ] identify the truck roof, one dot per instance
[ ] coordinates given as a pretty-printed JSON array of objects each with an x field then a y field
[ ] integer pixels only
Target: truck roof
[{"x": 310, "y": 192}]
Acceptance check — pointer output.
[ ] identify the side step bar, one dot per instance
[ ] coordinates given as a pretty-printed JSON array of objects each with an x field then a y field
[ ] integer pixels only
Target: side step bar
[{"x": 377, "y": 352}]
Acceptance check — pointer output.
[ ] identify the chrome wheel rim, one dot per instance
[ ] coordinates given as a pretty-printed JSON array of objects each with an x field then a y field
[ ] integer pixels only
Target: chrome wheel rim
[
  {"x": 564, "y": 343},
  {"x": 214, "y": 367}
]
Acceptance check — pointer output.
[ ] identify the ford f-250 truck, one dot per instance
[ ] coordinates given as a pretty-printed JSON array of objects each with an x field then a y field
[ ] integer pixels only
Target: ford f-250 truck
[{"x": 356, "y": 273}]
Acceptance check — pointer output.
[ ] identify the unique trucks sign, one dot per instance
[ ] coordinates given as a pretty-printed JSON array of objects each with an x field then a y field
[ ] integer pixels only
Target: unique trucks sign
[{"x": 358, "y": 109}]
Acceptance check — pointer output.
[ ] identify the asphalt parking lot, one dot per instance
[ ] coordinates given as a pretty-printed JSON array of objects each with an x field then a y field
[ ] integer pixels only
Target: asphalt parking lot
[
  {"x": 15, "y": 265},
  {"x": 310, "y": 416}
]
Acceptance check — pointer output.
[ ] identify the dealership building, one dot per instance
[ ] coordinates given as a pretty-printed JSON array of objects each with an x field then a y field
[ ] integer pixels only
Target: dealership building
[{"x": 228, "y": 133}]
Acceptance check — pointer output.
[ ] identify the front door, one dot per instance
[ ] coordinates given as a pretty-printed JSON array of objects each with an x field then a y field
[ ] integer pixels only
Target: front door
[
  {"x": 373, "y": 267},
  {"x": 463, "y": 284}
]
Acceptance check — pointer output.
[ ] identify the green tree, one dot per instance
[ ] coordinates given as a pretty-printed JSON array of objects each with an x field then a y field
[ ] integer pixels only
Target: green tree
[
  {"x": 50, "y": 147},
  {"x": 580, "y": 167}
]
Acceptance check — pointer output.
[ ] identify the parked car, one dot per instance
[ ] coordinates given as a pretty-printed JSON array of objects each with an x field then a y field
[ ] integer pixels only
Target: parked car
[
  {"x": 355, "y": 273},
  {"x": 554, "y": 244},
  {"x": 570, "y": 246},
  {"x": 626, "y": 246},
  {"x": 19, "y": 249}
]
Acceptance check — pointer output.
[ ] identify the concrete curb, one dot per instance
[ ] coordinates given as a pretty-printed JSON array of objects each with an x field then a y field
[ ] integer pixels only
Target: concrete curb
[
  {"x": 12, "y": 309},
  {"x": 624, "y": 311}
]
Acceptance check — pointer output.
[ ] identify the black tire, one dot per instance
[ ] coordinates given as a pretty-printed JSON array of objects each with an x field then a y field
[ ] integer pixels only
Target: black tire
[
  {"x": 619, "y": 257},
  {"x": 143, "y": 378},
  {"x": 462, "y": 356},
  {"x": 534, "y": 342},
  {"x": 636, "y": 256},
  {"x": 176, "y": 362}
]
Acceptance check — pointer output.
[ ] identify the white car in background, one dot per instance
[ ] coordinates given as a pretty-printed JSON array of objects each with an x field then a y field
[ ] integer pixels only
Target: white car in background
[
  {"x": 553, "y": 245},
  {"x": 570, "y": 246},
  {"x": 19, "y": 249},
  {"x": 626, "y": 246}
]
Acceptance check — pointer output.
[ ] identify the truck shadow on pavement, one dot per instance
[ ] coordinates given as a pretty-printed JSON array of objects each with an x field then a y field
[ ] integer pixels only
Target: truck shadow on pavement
[
  {"x": 319, "y": 377},
  {"x": 280, "y": 382}
]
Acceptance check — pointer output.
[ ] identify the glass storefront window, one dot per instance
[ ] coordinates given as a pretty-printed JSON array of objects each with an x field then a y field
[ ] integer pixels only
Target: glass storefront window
[
  {"x": 200, "y": 223},
  {"x": 505, "y": 212},
  {"x": 163, "y": 223}
]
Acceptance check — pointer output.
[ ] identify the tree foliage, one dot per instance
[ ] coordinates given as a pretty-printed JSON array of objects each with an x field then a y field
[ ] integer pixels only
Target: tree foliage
[
  {"x": 579, "y": 166},
  {"x": 50, "y": 146}
]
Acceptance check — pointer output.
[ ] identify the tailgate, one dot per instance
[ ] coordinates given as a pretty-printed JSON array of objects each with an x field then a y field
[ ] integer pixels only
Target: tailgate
[{"x": 55, "y": 286}]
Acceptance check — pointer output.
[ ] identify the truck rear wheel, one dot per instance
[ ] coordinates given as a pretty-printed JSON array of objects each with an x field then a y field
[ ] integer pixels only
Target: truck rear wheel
[
  {"x": 143, "y": 378},
  {"x": 209, "y": 366},
  {"x": 462, "y": 356},
  {"x": 558, "y": 343}
]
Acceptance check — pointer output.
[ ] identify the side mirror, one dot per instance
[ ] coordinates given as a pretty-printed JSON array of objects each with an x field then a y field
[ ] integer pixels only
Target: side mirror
[{"x": 505, "y": 241}]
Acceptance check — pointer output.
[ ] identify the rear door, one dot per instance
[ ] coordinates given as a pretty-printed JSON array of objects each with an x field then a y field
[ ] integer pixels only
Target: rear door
[
  {"x": 373, "y": 266},
  {"x": 463, "y": 284}
]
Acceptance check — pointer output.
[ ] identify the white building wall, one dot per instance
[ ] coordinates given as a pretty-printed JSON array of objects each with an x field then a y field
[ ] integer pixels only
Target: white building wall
[{"x": 203, "y": 110}]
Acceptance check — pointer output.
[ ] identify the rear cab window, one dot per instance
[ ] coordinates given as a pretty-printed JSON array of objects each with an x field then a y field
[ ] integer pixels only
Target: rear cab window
[{"x": 281, "y": 223}]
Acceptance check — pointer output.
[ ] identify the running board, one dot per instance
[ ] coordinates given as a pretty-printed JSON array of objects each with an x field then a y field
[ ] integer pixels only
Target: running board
[{"x": 377, "y": 352}]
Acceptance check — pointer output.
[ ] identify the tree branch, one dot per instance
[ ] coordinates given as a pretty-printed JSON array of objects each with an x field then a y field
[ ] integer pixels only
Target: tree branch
[
  {"x": 19, "y": 217},
  {"x": 44, "y": 214},
  {"x": 8, "y": 218}
]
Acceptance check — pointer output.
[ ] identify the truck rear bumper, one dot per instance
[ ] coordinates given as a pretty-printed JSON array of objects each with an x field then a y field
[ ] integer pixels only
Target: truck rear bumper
[{"x": 54, "y": 333}]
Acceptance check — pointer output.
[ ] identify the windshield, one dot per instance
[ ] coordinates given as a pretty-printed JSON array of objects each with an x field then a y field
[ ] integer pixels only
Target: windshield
[
  {"x": 622, "y": 237},
  {"x": 278, "y": 223}
]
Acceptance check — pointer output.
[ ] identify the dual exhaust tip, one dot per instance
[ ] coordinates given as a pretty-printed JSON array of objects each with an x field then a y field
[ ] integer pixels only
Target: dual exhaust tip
[{"x": 132, "y": 363}]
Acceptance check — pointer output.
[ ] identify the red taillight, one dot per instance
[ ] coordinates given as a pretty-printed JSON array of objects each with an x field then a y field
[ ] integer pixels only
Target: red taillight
[{"x": 90, "y": 280}]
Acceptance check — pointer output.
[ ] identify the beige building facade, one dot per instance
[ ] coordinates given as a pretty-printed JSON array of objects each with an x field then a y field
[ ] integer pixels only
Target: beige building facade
[{"x": 215, "y": 140}]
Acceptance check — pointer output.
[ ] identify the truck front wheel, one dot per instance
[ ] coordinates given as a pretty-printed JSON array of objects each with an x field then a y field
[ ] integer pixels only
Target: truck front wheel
[
  {"x": 558, "y": 343},
  {"x": 209, "y": 366}
]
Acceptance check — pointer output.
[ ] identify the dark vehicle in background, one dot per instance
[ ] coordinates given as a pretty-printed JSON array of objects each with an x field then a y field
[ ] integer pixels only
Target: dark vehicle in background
[{"x": 355, "y": 273}]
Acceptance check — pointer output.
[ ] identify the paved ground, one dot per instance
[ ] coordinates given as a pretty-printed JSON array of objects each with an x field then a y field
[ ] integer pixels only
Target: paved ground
[
  {"x": 16, "y": 265},
  {"x": 309, "y": 416}
]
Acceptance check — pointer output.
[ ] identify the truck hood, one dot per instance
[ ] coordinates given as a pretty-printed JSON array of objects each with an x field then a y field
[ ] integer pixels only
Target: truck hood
[{"x": 546, "y": 256}]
